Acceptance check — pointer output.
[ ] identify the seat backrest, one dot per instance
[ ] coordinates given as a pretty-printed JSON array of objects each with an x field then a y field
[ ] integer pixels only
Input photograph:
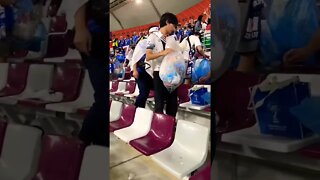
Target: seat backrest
[
  {"x": 17, "y": 76},
  {"x": 202, "y": 174},
  {"x": 131, "y": 86},
  {"x": 115, "y": 85},
  {"x": 193, "y": 137},
  {"x": 60, "y": 158},
  {"x": 40, "y": 77},
  {"x": 67, "y": 80},
  {"x": 122, "y": 86},
  {"x": 163, "y": 126},
  {"x": 183, "y": 93},
  {"x": 95, "y": 164},
  {"x": 128, "y": 112},
  {"x": 116, "y": 109},
  {"x": 3, "y": 74},
  {"x": 142, "y": 118},
  {"x": 58, "y": 45},
  {"x": 21, "y": 149},
  {"x": 86, "y": 94},
  {"x": 136, "y": 91},
  {"x": 3, "y": 127},
  {"x": 110, "y": 85}
]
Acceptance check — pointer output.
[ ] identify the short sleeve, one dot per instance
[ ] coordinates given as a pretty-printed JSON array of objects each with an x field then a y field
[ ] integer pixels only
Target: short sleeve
[
  {"x": 196, "y": 41},
  {"x": 151, "y": 42}
]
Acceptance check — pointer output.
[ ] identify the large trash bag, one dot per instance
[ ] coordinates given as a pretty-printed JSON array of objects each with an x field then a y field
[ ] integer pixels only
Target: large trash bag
[
  {"x": 202, "y": 68},
  {"x": 173, "y": 68},
  {"x": 289, "y": 24}
]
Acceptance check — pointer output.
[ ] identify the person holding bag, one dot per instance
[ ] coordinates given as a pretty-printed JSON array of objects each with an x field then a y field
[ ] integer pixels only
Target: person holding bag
[{"x": 156, "y": 50}]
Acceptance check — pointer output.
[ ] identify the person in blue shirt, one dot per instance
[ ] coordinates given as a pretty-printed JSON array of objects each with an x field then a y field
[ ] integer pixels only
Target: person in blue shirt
[
  {"x": 91, "y": 37},
  {"x": 128, "y": 41},
  {"x": 180, "y": 33},
  {"x": 121, "y": 42},
  {"x": 135, "y": 38}
]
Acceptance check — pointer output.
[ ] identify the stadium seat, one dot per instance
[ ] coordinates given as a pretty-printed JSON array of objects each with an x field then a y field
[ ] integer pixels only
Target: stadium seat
[
  {"x": 140, "y": 127},
  {"x": 115, "y": 110},
  {"x": 114, "y": 86},
  {"x": 126, "y": 119},
  {"x": 85, "y": 99},
  {"x": 121, "y": 88},
  {"x": 60, "y": 158},
  {"x": 95, "y": 164},
  {"x": 312, "y": 151},
  {"x": 202, "y": 174},
  {"x": 66, "y": 80},
  {"x": 231, "y": 103},
  {"x": 39, "y": 78},
  {"x": 3, "y": 74},
  {"x": 58, "y": 45},
  {"x": 20, "y": 152},
  {"x": 129, "y": 88},
  {"x": 16, "y": 79},
  {"x": 159, "y": 137},
  {"x": 3, "y": 126},
  {"x": 134, "y": 94},
  {"x": 188, "y": 151},
  {"x": 183, "y": 93}
]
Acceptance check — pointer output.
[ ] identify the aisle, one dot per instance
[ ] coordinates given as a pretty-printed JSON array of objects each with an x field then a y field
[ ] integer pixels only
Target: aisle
[{"x": 126, "y": 161}]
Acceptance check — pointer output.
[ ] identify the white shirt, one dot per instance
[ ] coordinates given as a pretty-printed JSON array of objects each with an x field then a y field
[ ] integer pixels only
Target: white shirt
[
  {"x": 194, "y": 41},
  {"x": 70, "y": 7},
  {"x": 154, "y": 42}
]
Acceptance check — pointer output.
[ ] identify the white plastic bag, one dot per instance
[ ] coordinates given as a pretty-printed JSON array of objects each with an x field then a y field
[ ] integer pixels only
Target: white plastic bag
[{"x": 173, "y": 68}]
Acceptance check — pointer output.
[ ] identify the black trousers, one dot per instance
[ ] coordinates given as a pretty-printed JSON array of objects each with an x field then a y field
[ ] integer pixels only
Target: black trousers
[
  {"x": 145, "y": 84},
  {"x": 162, "y": 97},
  {"x": 95, "y": 127}
]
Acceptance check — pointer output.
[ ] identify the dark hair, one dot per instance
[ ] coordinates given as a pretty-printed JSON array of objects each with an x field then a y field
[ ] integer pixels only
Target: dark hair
[
  {"x": 200, "y": 18},
  {"x": 168, "y": 17}
]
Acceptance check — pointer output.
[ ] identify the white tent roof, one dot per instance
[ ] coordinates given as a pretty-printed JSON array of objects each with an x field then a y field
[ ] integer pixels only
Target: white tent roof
[{"x": 128, "y": 13}]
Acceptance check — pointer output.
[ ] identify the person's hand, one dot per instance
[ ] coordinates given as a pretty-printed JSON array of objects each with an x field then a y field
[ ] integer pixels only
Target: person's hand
[
  {"x": 203, "y": 79},
  {"x": 83, "y": 40},
  {"x": 135, "y": 74},
  {"x": 295, "y": 56},
  {"x": 7, "y": 2},
  {"x": 167, "y": 51}
]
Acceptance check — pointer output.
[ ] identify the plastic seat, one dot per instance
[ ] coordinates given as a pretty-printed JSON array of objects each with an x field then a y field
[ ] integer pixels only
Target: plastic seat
[
  {"x": 312, "y": 151},
  {"x": 66, "y": 80},
  {"x": 202, "y": 174},
  {"x": 140, "y": 127},
  {"x": 231, "y": 103},
  {"x": 20, "y": 152},
  {"x": 3, "y": 127},
  {"x": 60, "y": 158},
  {"x": 84, "y": 100},
  {"x": 129, "y": 88},
  {"x": 188, "y": 151},
  {"x": 134, "y": 94},
  {"x": 115, "y": 110},
  {"x": 58, "y": 45},
  {"x": 16, "y": 79},
  {"x": 39, "y": 78},
  {"x": 3, "y": 74},
  {"x": 126, "y": 119},
  {"x": 122, "y": 88},
  {"x": 95, "y": 164},
  {"x": 183, "y": 93},
  {"x": 114, "y": 86},
  {"x": 159, "y": 137}
]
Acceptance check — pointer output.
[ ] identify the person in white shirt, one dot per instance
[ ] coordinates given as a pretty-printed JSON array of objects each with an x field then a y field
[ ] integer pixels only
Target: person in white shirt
[{"x": 156, "y": 50}]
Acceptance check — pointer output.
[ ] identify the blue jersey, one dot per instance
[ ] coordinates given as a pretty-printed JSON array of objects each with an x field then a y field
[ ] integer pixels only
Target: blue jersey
[{"x": 127, "y": 42}]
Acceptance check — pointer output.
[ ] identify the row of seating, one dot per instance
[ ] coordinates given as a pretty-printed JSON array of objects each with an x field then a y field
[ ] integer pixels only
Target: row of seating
[
  {"x": 27, "y": 154},
  {"x": 180, "y": 147},
  {"x": 56, "y": 87}
]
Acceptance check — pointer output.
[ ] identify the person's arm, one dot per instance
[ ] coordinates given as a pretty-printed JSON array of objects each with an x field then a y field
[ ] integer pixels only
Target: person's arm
[
  {"x": 301, "y": 54},
  {"x": 82, "y": 39},
  {"x": 152, "y": 56}
]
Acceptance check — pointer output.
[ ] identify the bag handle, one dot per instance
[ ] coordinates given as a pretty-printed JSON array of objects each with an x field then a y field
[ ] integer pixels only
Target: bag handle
[{"x": 271, "y": 85}]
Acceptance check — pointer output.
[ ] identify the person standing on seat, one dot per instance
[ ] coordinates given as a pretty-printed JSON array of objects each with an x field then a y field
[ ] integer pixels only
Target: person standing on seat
[
  {"x": 143, "y": 79},
  {"x": 91, "y": 37},
  {"x": 156, "y": 50}
]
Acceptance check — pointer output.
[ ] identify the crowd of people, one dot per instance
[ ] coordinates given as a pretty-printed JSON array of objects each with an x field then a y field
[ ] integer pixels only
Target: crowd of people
[{"x": 155, "y": 43}]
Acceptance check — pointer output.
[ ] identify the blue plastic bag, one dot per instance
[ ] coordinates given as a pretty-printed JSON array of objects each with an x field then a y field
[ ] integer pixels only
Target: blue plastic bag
[
  {"x": 308, "y": 113},
  {"x": 290, "y": 24},
  {"x": 202, "y": 68},
  {"x": 199, "y": 96}
]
